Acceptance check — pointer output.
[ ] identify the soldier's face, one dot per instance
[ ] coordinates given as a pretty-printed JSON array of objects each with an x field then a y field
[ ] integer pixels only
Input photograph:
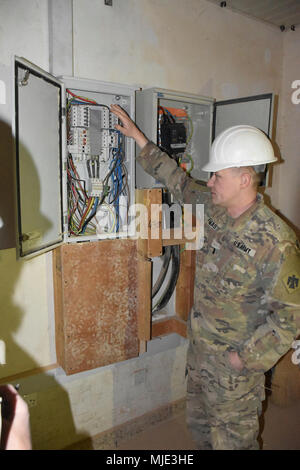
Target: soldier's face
[{"x": 225, "y": 187}]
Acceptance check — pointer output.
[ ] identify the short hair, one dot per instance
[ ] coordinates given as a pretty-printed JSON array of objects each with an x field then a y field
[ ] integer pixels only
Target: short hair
[{"x": 256, "y": 172}]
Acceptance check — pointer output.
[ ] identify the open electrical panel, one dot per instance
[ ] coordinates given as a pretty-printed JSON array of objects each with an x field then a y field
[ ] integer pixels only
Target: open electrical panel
[
  {"x": 97, "y": 171},
  {"x": 180, "y": 124},
  {"x": 184, "y": 125},
  {"x": 75, "y": 171}
]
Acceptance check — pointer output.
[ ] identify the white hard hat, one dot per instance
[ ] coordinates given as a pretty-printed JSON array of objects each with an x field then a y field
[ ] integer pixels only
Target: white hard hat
[{"x": 240, "y": 146}]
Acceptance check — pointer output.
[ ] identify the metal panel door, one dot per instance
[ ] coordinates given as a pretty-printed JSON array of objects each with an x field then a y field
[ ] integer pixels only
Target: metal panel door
[
  {"x": 254, "y": 111},
  {"x": 38, "y": 143}
]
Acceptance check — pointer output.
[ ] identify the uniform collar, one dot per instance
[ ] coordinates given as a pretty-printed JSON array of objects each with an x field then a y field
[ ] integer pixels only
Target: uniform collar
[{"x": 241, "y": 221}]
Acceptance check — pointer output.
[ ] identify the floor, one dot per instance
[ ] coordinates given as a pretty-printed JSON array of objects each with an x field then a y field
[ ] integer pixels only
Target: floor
[{"x": 281, "y": 431}]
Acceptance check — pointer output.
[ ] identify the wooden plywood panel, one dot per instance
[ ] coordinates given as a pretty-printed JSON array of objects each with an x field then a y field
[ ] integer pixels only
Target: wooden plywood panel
[
  {"x": 185, "y": 284},
  {"x": 286, "y": 381},
  {"x": 144, "y": 298},
  {"x": 150, "y": 244},
  {"x": 96, "y": 287},
  {"x": 169, "y": 325}
]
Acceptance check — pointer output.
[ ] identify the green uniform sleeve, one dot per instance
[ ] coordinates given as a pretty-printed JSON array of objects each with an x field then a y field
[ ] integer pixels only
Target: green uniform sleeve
[
  {"x": 185, "y": 189},
  {"x": 274, "y": 338}
]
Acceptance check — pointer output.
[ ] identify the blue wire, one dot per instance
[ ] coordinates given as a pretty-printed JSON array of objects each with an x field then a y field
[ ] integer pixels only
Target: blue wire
[
  {"x": 168, "y": 112},
  {"x": 117, "y": 178}
]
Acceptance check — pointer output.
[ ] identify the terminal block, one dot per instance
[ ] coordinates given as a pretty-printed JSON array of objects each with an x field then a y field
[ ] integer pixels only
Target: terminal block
[
  {"x": 95, "y": 187},
  {"x": 91, "y": 129}
]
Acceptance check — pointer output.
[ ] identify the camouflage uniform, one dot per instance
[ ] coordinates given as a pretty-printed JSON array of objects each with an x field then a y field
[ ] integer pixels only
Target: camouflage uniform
[{"x": 247, "y": 299}]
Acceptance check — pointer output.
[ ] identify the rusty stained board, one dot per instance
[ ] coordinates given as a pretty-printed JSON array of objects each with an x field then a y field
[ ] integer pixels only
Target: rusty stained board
[{"x": 96, "y": 304}]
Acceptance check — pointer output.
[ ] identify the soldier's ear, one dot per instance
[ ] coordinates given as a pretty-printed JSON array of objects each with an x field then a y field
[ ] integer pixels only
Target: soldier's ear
[{"x": 246, "y": 180}]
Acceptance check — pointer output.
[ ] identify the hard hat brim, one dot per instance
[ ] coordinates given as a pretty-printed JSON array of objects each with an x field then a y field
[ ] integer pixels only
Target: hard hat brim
[{"x": 213, "y": 168}]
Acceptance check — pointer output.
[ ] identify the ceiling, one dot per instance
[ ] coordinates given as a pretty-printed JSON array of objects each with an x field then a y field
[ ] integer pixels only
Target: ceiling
[{"x": 276, "y": 12}]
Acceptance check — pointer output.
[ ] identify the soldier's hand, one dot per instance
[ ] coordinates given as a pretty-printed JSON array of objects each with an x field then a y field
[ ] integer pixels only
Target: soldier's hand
[
  {"x": 128, "y": 127},
  {"x": 235, "y": 361},
  {"x": 15, "y": 420}
]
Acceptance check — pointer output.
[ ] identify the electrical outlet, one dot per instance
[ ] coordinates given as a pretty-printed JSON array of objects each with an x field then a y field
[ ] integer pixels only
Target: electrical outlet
[{"x": 31, "y": 399}]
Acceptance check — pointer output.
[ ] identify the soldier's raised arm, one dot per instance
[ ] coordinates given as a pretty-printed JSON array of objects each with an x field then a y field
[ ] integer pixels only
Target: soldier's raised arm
[{"x": 128, "y": 127}]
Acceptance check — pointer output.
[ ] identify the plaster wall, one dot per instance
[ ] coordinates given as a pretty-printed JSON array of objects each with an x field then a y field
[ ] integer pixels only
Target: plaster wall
[
  {"x": 192, "y": 46},
  {"x": 23, "y": 289},
  {"x": 289, "y": 187},
  {"x": 24, "y": 31}
]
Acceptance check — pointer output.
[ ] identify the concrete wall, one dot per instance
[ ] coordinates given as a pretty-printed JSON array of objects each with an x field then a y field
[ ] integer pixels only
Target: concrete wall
[
  {"x": 288, "y": 199},
  {"x": 191, "y": 46}
]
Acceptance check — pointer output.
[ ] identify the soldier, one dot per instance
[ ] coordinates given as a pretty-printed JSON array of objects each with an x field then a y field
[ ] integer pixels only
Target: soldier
[{"x": 246, "y": 310}]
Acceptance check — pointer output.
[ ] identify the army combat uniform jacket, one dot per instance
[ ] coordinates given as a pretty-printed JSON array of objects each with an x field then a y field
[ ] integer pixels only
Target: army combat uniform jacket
[{"x": 247, "y": 283}]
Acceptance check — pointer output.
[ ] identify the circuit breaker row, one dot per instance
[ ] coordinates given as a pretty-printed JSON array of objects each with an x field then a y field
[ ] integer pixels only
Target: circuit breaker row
[{"x": 91, "y": 129}]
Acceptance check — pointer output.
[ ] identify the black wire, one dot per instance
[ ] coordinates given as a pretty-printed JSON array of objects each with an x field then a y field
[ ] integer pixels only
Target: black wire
[
  {"x": 87, "y": 103},
  {"x": 163, "y": 272},
  {"x": 96, "y": 104},
  {"x": 78, "y": 190},
  {"x": 98, "y": 167},
  {"x": 172, "y": 281},
  {"x": 88, "y": 168},
  {"x": 167, "y": 116},
  {"x": 104, "y": 194},
  {"x": 175, "y": 256}
]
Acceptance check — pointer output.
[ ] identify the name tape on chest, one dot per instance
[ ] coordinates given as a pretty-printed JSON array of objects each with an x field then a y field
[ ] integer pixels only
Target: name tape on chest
[
  {"x": 243, "y": 247},
  {"x": 212, "y": 224}
]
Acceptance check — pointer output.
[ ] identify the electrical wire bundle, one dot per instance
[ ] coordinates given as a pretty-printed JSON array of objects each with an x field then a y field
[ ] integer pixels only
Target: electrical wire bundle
[
  {"x": 171, "y": 255},
  {"x": 119, "y": 179},
  {"x": 84, "y": 210},
  {"x": 81, "y": 207},
  {"x": 186, "y": 154}
]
